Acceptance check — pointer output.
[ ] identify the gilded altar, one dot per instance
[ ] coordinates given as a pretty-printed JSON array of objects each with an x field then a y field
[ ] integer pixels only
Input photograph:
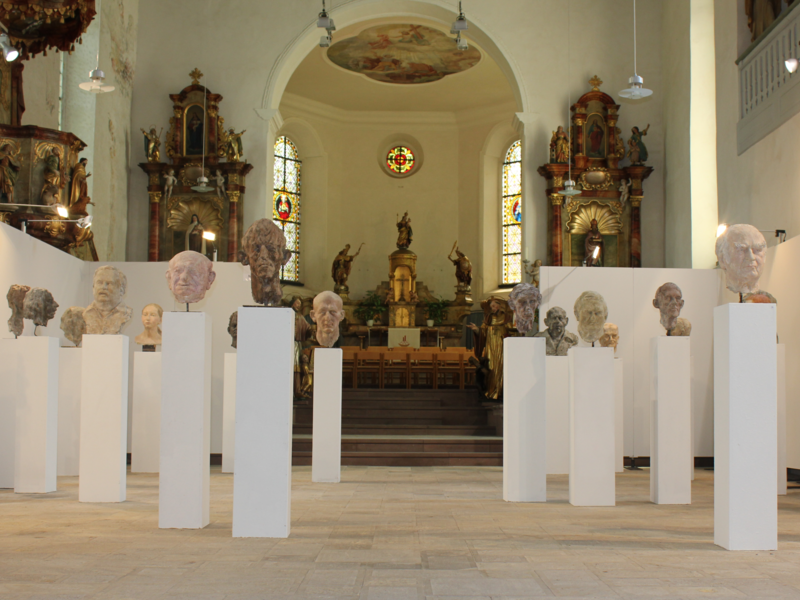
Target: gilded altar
[{"x": 402, "y": 297}]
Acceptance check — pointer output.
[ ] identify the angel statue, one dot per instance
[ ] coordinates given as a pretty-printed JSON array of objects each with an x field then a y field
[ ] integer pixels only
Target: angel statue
[
  {"x": 234, "y": 145},
  {"x": 534, "y": 271},
  {"x": 624, "y": 190},
  {"x": 152, "y": 144}
]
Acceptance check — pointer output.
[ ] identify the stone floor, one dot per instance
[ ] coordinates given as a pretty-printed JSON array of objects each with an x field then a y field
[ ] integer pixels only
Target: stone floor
[{"x": 391, "y": 534}]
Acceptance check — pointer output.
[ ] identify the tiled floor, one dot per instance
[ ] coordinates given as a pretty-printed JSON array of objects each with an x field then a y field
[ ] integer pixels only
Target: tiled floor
[{"x": 391, "y": 534}]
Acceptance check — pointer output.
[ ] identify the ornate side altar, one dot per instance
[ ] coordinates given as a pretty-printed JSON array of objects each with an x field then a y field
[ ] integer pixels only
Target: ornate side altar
[
  {"x": 607, "y": 211},
  {"x": 197, "y": 146}
]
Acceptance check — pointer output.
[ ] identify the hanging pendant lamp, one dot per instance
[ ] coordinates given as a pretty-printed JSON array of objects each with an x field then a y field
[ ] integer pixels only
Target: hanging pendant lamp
[
  {"x": 637, "y": 89},
  {"x": 569, "y": 184},
  {"x": 202, "y": 181},
  {"x": 97, "y": 84}
]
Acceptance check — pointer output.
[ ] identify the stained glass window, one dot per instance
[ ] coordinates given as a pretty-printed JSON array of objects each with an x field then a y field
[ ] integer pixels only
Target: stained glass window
[
  {"x": 512, "y": 214},
  {"x": 286, "y": 203},
  {"x": 400, "y": 160}
]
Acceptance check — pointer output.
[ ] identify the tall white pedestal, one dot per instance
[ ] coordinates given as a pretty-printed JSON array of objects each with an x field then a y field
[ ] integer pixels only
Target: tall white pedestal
[
  {"x": 670, "y": 420},
  {"x": 229, "y": 412},
  {"x": 262, "y": 483},
  {"x": 326, "y": 438},
  {"x": 592, "y": 417},
  {"x": 782, "y": 483},
  {"x": 619, "y": 416},
  {"x": 557, "y": 415},
  {"x": 524, "y": 420},
  {"x": 104, "y": 418},
  {"x": 8, "y": 410},
  {"x": 69, "y": 410},
  {"x": 146, "y": 414},
  {"x": 183, "y": 484},
  {"x": 36, "y": 437},
  {"x": 745, "y": 426}
]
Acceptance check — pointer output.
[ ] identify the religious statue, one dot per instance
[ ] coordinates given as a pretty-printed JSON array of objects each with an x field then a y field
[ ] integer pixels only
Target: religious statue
[
  {"x": 340, "y": 270},
  {"x": 741, "y": 250},
  {"x": 79, "y": 190},
  {"x": 219, "y": 184},
  {"x": 557, "y": 339},
  {"x": 16, "y": 299},
  {"x": 619, "y": 144},
  {"x": 638, "y": 151},
  {"x": 151, "y": 319},
  {"x": 39, "y": 306},
  {"x": 306, "y": 388},
  {"x": 535, "y": 271},
  {"x": 234, "y": 146},
  {"x": 301, "y": 332},
  {"x": 669, "y": 300},
  {"x": 624, "y": 190},
  {"x": 52, "y": 177},
  {"x": 327, "y": 313},
  {"x": 189, "y": 276},
  {"x": 594, "y": 247},
  {"x": 9, "y": 171},
  {"x": 524, "y": 301},
  {"x": 73, "y": 325},
  {"x": 169, "y": 182},
  {"x": 496, "y": 326},
  {"x": 591, "y": 311},
  {"x": 233, "y": 327},
  {"x": 152, "y": 145},
  {"x": 264, "y": 249},
  {"x": 610, "y": 337},
  {"x": 760, "y": 15},
  {"x": 463, "y": 268},
  {"x": 404, "y": 232},
  {"x": 193, "y": 238},
  {"x": 107, "y": 314},
  {"x": 559, "y": 146}
]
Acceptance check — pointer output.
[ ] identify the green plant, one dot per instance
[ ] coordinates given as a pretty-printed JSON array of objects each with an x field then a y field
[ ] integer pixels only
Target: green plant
[
  {"x": 370, "y": 307},
  {"x": 436, "y": 310}
]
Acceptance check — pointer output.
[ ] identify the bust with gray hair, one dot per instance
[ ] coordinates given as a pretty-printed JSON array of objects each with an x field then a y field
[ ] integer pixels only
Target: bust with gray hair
[
  {"x": 39, "y": 306},
  {"x": 327, "y": 313},
  {"x": 107, "y": 314},
  {"x": 524, "y": 300},
  {"x": 741, "y": 250},
  {"x": 591, "y": 311}
]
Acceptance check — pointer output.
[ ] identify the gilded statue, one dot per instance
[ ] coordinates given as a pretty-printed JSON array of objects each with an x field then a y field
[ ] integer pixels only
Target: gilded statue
[
  {"x": 52, "y": 176},
  {"x": 152, "y": 145},
  {"x": 496, "y": 326},
  {"x": 594, "y": 246},
  {"x": 233, "y": 145},
  {"x": 638, "y": 151},
  {"x": 342, "y": 265},
  {"x": 559, "y": 146},
  {"x": 302, "y": 330},
  {"x": 760, "y": 15},
  {"x": 9, "y": 171},
  {"x": 79, "y": 190},
  {"x": 619, "y": 144},
  {"x": 404, "y": 232},
  {"x": 463, "y": 268}
]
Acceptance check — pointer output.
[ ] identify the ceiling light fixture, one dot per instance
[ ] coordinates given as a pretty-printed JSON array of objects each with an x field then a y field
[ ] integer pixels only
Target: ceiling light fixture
[
  {"x": 461, "y": 43},
  {"x": 10, "y": 53},
  {"x": 460, "y": 24},
  {"x": 324, "y": 21},
  {"x": 569, "y": 184},
  {"x": 96, "y": 85},
  {"x": 791, "y": 65},
  {"x": 202, "y": 181},
  {"x": 637, "y": 89}
]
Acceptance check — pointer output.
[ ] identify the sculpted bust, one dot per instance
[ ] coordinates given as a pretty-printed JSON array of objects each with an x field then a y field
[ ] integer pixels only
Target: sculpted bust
[
  {"x": 107, "y": 314},
  {"x": 669, "y": 300},
  {"x": 610, "y": 337},
  {"x": 73, "y": 325},
  {"x": 16, "y": 299},
  {"x": 591, "y": 311},
  {"x": 557, "y": 339},
  {"x": 740, "y": 251},
  {"x": 264, "y": 249},
  {"x": 327, "y": 313},
  {"x": 39, "y": 306},
  {"x": 233, "y": 327},
  {"x": 524, "y": 300},
  {"x": 151, "y": 319},
  {"x": 189, "y": 276}
]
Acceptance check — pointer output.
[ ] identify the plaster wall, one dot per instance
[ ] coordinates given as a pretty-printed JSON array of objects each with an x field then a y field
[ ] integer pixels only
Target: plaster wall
[{"x": 40, "y": 80}]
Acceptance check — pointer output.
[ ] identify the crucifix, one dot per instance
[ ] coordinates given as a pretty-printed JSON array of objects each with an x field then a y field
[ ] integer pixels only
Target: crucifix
[{"x": 402, "y": 281}]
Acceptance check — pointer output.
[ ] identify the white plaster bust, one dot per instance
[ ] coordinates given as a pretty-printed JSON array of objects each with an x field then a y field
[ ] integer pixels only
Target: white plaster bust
[
  {"x": 151, "y": 319},
  {"x": 524, "y": 300},
  {"x": 591, "y": 311},
  {"x": 327, "y": 313},
  {"x": 189, "y": 276},
  {"x": 740, "y": 251},
  {"x": 610, "y": 337},
  {"x": 107, "y": 314}
]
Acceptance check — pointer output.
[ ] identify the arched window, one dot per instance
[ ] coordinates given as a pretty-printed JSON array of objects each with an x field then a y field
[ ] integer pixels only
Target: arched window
[
  {"x": 512, "y": 214},
  {"x": 286, "y": 203}
]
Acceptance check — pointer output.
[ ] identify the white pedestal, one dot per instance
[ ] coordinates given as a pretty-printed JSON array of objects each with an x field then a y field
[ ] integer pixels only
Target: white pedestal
[
  {"x": 183, "y": 484},
  {"x": 745, "y": 426},
  {"x": 557, "y": 415},
  {"x": 592, "y": 416},
  {"x": 670, "y": 420},
  {"x": 69, "y": 411},
  {"x": 36, "y": 438},
  {"x": 8, "y": 410},
  {"x": 146, "y": 414},
  {"x": 262, "y": 484},
  {"x": 524, "y": 420},
  {"x": 782, "y": 483},
  {"x": 619, "y": 416},
  {"x": 326, "y": 438},
  {"x": 229, "y": 413},
  {"x": 104, "y": 418}
]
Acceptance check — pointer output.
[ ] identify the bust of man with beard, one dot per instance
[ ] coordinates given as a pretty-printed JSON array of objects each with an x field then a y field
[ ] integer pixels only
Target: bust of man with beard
[
  {"x": 591, "y": 311},
  {"x": 327, "y": 313},
  {"x": 264, "y": 249},
  {"x": 107, "y": 314}
]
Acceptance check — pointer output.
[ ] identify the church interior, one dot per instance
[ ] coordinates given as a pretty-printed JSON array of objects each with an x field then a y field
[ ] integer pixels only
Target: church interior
[{"x": 512, "y": 279}]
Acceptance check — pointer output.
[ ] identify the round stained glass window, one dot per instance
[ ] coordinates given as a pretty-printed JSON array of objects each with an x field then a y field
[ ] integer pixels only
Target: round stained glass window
[
  {"x": 400, "y": 160},
  {"x": 283, "y": 206}
]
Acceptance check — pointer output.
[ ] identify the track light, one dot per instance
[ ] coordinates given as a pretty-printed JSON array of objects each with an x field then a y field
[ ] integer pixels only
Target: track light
[
  {"x": 460, "y": 24},
  {"x": 96, "y": 85},
  {"x": 10, "y": 53},
  {"x": 324, "y": 21},
  {"x": 325, "y": 41},
  {"x": 791, "y": 65},
  {"x": 461, "y": 43}
]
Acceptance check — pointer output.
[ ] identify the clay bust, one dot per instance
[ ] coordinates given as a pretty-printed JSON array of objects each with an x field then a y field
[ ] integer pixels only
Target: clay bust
[
  {"x": 264, "y": 249},
  {"x": 39, "y": 306},
  {"x": 233, "y": 327},
  {"x": 610, "y": 337},
  {"x": 151, "y": 319},
  {"x": 107, "y": 314},
  {"x": 16, "y": 298},
  {"x": 189, "y": 276},
  {"x": 591, "y": 311},
  {"x": 669, "y": 300},
  {"x": 740, "y": 251},
  {"x": 557, "y": 338},
  {"x": 327, "y": 313},
  {"x": 73, "y": 325},
  {"x": 524, "y": 300},
  {"x": 759, "y": 297}
]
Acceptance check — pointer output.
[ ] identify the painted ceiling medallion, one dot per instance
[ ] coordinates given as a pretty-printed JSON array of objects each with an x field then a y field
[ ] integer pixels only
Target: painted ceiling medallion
[{"x": 402, "y": 54}]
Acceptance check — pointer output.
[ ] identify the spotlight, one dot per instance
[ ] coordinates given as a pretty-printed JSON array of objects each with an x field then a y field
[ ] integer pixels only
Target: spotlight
[
  {"x": 791, "y": 65},
  {"x": 324, "y": 21},
  {"x": 460, "y": 24},
  {"x": 10, "y": 53},
  {"x": 325, "y": 41},
  {"x": 62, "y": 210},
  {"x": 209, "y": 235},
  {"x": 461, "y": 43},
  {"x": 721, "y": 229}
]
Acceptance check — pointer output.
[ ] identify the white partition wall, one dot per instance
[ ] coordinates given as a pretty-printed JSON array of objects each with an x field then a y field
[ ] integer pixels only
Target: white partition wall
[
  {"x": 619, "y": 415},
  {"x": 8, "y": 411},
  {"x": 670, "y": 421},
  {"x": 745, "y": 426},
  {"x": 557, "y": 415},
  {"x": 591, "y": 408},
  {"x": 146, "y": 414},
  {"x": 326, "y": 439},
  {"x": 183, "y": 484},
  {"x": 69, "y": 410},
  {"x": 524, "y": 420},
  {"x": 104, "y": 418},
  {"x": 262, "y": 483},
  {"x": 782, "y": 474},
  {"x": 36, "y": 427},
  {"x": 229, "y": 413}
]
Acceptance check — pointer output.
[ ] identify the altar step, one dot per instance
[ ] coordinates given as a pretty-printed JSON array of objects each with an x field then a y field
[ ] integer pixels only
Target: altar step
[{"x": 404, "y": 429}]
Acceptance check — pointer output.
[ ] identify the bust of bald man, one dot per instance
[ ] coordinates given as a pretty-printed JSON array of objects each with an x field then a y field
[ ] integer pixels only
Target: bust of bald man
[
  {"x": 327, "y": 313},
  {"x": 189, "y": 276}
]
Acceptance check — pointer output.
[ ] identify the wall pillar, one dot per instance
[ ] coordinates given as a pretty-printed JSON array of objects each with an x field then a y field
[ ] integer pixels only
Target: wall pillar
[{"x": 534, "y": 214}]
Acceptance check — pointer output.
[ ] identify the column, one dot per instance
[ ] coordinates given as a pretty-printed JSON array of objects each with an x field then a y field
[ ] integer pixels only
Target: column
[
  {"x": 233, "y": 227},
  {"x": 557, "y": 231},
  {"x": 636, "y": 231},
  {"x": 326, "y": 438},
  {"x": 534, "y": 214},
  {"x": 153, "y": 241}
]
